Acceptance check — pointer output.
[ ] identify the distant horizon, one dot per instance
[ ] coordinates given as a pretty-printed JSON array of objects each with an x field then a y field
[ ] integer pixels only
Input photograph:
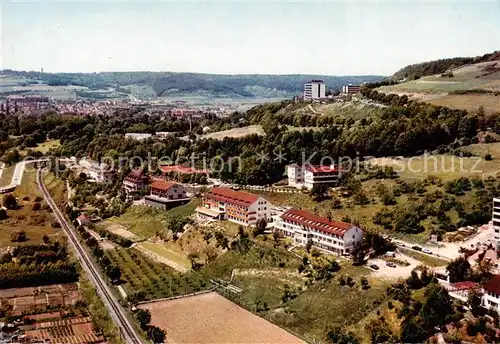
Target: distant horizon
[
  {"x": 233, "y": 38},
  {"x": 199, "y": 73}
]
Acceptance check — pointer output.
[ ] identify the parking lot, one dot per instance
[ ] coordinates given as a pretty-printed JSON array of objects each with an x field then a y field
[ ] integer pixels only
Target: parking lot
[{"x": 385, "y": 271}]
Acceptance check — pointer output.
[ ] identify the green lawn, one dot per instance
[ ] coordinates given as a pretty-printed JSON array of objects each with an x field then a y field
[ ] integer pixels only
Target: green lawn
[
  {"x": 162, "y": 251},
  {"x": 36, "y": 224},
  {"x": 7, "y": 175},
  {"x": 146, "y": 221}
]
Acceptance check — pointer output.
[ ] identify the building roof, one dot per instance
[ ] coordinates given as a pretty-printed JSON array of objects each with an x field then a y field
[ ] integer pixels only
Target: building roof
[
  {"x": 466, "y": 285},
  {"x": 162, "y": 184},
  {"x": 240, "y": 198},
  {"x": 311, "y": 220},
  {"x": 136, "y": 175},
  {"x": 181, "y": 169},
  {"x": 493, "y": 285},
  {"x": 321, "y": 168}
]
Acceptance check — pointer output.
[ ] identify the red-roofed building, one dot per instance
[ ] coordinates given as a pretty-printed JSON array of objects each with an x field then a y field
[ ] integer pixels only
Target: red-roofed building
[
  {"x": 311, "y": 176},
  {"x": 236, "y": 206},
  {"x": 491, "y": 293},
  {"x": 135, "y": 182},
  {"x": 303, "y": 226},
  {"x": 181, "y": 169},
  {"x": 166, "y": 194},
  {"x": 83, "y": 220}
]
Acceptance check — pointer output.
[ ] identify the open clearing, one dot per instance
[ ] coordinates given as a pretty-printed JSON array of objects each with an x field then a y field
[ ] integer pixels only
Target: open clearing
[
  {"x": 236, "y": 132},
  {"x": 439, "y": 90},
  {"x": 120, "y": 230},
  {"x": 469, "y": 102},
  {"x": 210, "y": 318},
  {"x": 42, "y": 147},
  {"x": 36, "y": 224},
  {"x": 144, "y": 222},
  {"x": 162, "y": 254},
  {"x": 445, "y": 166},
  {"x": 7, "y": 173}
]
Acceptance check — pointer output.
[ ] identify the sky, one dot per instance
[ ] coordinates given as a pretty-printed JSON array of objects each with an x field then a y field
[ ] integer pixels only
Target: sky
[{"x": 304, "y": 37}]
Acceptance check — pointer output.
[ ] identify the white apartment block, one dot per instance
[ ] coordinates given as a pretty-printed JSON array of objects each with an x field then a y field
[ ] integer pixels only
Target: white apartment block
[
  {"x": 333, "y": 236},
  {"x": 496, "y": 222},
  {"x": 315, "y": 89},
  {"x": 310, "y": 176}
]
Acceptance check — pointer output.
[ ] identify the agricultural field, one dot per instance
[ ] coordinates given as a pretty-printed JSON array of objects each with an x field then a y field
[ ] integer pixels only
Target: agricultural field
[
  {"x": 156, "y": 280},
  {"x": 469, "y": 102},
  {"x": 236, "y": 132},
  {"x": 446, "y": 166},
  {"x": 210, "y": 318},
  {"x": 442, "y": 91},
  {"x": 145, "y": 222},
  {"x": 68, "y": 330},
  {"x": 26, "y": 300},
  {"x": 37, "y": 223}
]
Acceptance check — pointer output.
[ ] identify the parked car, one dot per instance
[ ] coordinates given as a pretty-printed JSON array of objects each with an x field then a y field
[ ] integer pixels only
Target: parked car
[
  {"x": 426, "y": 250},
  {"x": 391, "y": 264},
  {"x": 418, "y": 248},
  {"x": 374, "y": 266}
]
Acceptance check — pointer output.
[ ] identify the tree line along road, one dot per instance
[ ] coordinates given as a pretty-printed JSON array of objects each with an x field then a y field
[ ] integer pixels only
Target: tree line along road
[{"x": 118, "y": 314}]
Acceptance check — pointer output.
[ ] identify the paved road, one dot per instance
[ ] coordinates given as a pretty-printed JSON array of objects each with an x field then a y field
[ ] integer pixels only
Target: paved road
[
  {"x": 2, "y": 166},
  {"x": 17, "y": 176},
  {"x": 115, "y": 309}
]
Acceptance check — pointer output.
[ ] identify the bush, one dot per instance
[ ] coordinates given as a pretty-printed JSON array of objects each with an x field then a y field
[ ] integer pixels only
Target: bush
[
  {"x": 9, "y": 201},
  {"x": 56, "y": 224},
  {"x": 18, "y": 236},
  {"x": 38, "y": 199},
  {"x": 487, "y": 157},
  {"x": 37, "y": 206},
  {"x": 3, "y": 214}
]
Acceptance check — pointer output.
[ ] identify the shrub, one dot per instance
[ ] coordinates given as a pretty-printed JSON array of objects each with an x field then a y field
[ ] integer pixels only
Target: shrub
[
  {"x": 38, "y": 199},
  {"x": 37, "y": 206},
  {"x": 18, "y": 236},
  {"x": 9, "y": 201},
  {"x": 3, "y": 214}
]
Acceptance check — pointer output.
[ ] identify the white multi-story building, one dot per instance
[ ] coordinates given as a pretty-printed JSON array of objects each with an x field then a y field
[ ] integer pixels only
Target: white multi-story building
[
  {"x": 100, "y": 173},
  {"x": 235, "y": 206},
  {"x": 303, "y": 226},
  {"x": 495, "y": 223},
  {"x": 491, "y": 293},
  {"x": 315, "y": 89},
  {"x": 310, "y": 176}
]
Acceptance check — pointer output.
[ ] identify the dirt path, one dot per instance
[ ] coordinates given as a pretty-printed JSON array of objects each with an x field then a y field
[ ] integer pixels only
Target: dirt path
[
  {"x": 160, "y": 259},
  {"x": 313, "y": 110}
]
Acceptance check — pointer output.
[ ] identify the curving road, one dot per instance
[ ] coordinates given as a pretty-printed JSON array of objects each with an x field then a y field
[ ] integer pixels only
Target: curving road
[{"x": 116, "y": 311}]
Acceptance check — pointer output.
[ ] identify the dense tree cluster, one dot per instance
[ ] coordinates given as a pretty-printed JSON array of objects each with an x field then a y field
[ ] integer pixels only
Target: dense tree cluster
[{"x": 32, "y": 265}]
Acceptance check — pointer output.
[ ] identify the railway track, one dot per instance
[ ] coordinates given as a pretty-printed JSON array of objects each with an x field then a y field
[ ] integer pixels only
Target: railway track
[{"x": 127, "y": 330}]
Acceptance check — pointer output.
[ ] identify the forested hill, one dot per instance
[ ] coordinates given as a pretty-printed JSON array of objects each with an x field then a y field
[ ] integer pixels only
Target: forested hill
[
  {"x": 168, "y": 83},
  {"x": 418, "y": 70}
]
